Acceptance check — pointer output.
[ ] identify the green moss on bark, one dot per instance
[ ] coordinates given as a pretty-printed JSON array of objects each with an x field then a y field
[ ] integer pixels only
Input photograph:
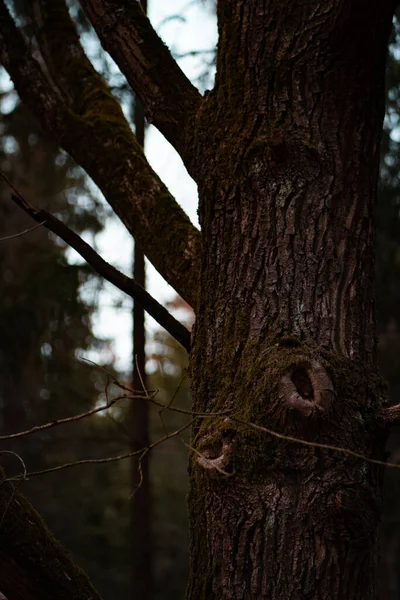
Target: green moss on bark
[{"x": 252, "y": 397}]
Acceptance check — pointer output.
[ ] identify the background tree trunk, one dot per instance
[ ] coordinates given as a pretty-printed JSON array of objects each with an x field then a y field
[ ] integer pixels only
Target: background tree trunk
[
  {"x": 285, "y": 334},
  {"x": 141, "y": 535}
]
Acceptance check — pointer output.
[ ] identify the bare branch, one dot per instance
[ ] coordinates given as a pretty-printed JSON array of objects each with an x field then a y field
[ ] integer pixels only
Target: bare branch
[
  {"x": 108, "y": 459},
  {"x": 170, "y": 100},
  {"x": 63, "y": 421},
  {"x": 341, "y": 450},
  {"x": 19, "y": 459},
  {"x": 21, "y": 233},
  {"x": 88, "y": 123},
  {"x": 150, "y": 395},
  {"x": 121, "y": 281},
  {"x": 140, "y": 469},
  {"x": 130, "y": 394}
]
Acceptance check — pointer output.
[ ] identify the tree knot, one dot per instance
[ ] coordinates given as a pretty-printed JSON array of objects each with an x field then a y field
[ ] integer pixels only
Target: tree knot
[
  {"x": 217, "y": 456},
  {"x": 306, "y": 387}
]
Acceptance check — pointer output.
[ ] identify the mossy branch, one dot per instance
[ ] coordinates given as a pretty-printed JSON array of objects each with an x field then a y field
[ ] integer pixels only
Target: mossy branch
[
  {"x": 77, "y": 108},
  {"x": 169, "y": 98},
  {"x": 33, "y": 564}
]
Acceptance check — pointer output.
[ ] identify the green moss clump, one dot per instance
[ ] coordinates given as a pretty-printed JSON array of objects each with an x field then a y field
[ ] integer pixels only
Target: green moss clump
[{"x": 252, "y": 398}]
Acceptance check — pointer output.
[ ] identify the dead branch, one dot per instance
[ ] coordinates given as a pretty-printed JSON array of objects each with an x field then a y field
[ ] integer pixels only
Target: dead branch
[
  {"x": 121, "y": 281},
  {"x": 21, "y": 233},
  {"x": 20, "y": 459},
  {"x": 99, "y": 461},
  {"x": 151, "y": 394},
  {"x": 391, "y": 414},
  {"x": 64, "y": 420}
]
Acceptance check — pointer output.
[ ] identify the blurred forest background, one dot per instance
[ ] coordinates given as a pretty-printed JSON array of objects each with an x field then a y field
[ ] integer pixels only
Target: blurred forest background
[{"x": 46, "y": 310}]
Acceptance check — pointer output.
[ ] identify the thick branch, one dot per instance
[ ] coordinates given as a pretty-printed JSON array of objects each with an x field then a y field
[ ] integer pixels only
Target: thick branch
[
  {"x": 92, "y": 128},
  {"x": 170, "y": 100},
  {"x": 47, "y": 572},
  {"x": 391, "y": 415},
  {"x": 121, "y": 281}
]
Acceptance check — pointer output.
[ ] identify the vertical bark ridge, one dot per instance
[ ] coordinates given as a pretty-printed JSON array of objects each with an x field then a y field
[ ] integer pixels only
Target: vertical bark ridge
[
  {"x": 292, "y": 193},
  {"x": 286, "y": 209}
]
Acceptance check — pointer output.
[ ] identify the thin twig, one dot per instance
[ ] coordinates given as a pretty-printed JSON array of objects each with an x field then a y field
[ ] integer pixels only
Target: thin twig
[
  {"x": 174, "y": 395},
  {"x": 64, "y": 420},
  {"x": 182, "y": 411},
  {"x": 19, "y": 458},
  {"x": 16, "y": 235},
  {"x": 140, "y": 376},
  {"x": 123, "y": 430},
  {"x": 294, "y": 440},
  {"x": 140, "y": 468},
  {"x": 98, "y": 461},
  {"x": 151, "y": 394}
]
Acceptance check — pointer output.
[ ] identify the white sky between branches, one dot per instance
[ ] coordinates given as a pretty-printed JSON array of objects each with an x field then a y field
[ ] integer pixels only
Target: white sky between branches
[{"x": 195, "y": 30}]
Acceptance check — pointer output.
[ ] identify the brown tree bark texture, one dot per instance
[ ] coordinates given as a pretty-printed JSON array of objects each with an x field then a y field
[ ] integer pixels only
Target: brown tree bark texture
[
  {"x": 285, "y": 153},
  {"x": 285, "y": 332}
]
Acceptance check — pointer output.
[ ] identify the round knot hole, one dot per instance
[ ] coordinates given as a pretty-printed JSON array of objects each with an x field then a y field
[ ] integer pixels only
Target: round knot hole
[{"x": 306, "y": 387}]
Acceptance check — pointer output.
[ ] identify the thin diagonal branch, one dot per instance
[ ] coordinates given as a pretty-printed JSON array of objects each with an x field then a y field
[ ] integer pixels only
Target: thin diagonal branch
[
  {"x": 121, "y": 281},
  {"x": 20, "y": 234},
  {"x": 169, "y": 98},
  {"x": 339, "y": 449},
  {"x": 87, "y": 121}
]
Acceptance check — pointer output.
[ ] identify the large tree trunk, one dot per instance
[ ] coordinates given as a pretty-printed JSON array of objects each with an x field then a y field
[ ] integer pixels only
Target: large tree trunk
[
  {"x": 285, "y": 334},
  {"x": 285, "y": 154}
]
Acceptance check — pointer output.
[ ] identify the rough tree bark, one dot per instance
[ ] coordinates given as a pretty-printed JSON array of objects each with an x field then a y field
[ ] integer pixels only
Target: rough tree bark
[
  {"x": 286, "y": 304},
  {"x": 285, "y": 152}
]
